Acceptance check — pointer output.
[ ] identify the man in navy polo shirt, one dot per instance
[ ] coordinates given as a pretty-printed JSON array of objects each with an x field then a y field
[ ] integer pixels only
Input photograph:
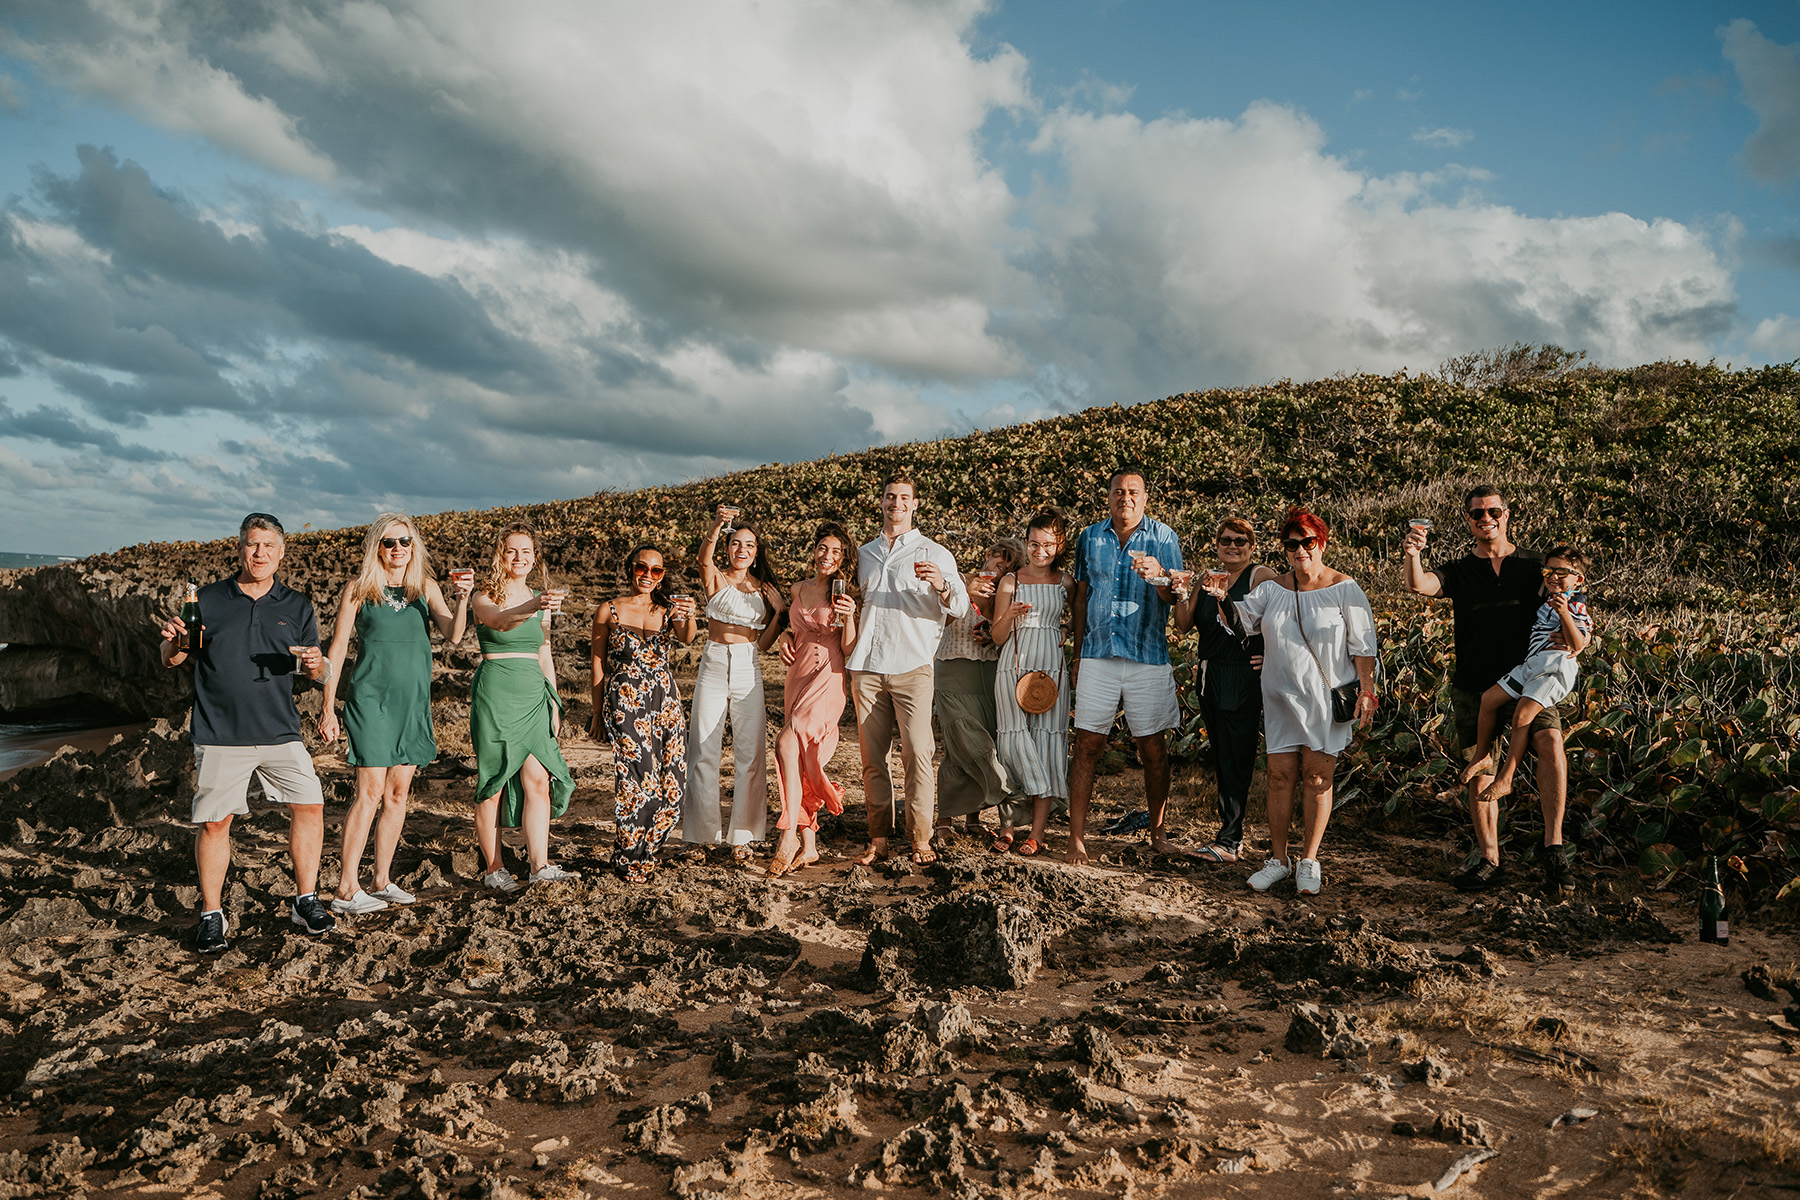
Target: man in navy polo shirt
[{"x": 259, "y": 636}]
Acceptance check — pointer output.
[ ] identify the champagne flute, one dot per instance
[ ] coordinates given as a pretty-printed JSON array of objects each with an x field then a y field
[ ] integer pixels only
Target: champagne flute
[{"x": 838, "y": 588}]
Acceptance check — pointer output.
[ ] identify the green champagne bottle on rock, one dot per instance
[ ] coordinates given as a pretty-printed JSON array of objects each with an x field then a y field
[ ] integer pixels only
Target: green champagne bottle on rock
[{"x": 1715, "y": 919}]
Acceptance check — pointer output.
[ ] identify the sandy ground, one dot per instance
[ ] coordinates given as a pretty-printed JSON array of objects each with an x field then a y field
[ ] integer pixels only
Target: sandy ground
[{"x": 715, "y": 1034}]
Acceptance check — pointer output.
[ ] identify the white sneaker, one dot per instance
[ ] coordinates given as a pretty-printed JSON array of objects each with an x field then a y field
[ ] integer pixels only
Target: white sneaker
[
  {"x": 1308, "y": 879},
  {"x": 393, "y": 893},
  {"x": 358, "y": 904},
  {"x": 500, "y": 881},
  {"x": 551, "y": 873},
  {"x": 1272, "y": 873}
]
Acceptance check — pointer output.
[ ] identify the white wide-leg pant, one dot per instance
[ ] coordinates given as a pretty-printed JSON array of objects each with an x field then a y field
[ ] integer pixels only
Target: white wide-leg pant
[{"x": 729, "y": 685}]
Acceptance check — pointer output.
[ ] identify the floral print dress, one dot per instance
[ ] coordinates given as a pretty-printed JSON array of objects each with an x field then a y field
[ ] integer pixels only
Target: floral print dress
[{"x": 647, "y": 729}]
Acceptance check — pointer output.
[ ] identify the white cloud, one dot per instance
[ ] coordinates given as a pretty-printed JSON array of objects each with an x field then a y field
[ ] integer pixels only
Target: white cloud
[
  {"x": 1444, "y": 136},
  {"x": 1192, "y": 250},
  {"x": 1769, "y": 74},
  {"x": 1776, "y": 338}
]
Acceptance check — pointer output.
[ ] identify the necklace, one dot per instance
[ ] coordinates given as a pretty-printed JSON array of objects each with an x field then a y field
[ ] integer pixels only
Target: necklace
[{"x": 398, "y": 603}]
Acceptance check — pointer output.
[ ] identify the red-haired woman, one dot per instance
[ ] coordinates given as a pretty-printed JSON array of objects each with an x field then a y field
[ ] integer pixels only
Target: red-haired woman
[{"x": 1318, "y": 634}]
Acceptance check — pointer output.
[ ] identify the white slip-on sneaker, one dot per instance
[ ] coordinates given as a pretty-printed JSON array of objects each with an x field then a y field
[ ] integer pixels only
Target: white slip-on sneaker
[
  {"x": 1273, "y": 872},
  {"x": 1308, "y": 878},
  {"x": 551, "y": 873},
  {"x": 500, "y": 881},
  {"x": 393, "y": 893},
  {"x": 358, "y": 904}
]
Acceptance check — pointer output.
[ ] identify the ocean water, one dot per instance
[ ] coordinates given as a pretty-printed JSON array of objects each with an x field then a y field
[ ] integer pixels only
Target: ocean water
[
  {"x": 21, "y": 742},
  {"x": 10, "y": 561}
]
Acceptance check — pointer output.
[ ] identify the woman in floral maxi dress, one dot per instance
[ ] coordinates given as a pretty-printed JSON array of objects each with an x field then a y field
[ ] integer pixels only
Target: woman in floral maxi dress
[{"x": 638, "y": 711}]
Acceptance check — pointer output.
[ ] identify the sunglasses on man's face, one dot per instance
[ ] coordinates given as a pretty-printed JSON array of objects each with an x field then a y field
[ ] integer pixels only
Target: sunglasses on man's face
[
  {"x": 1293, "y": 544},
  {"x": 643, "y": 568},
  {"x": 388, "y": 543},
  {"x": 1233, "y": 541},
  {"x": 1475, "y": 514}
]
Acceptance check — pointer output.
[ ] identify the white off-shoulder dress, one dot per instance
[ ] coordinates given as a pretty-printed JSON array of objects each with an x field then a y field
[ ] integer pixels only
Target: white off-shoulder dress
[{"x": 1296, "y": 699}]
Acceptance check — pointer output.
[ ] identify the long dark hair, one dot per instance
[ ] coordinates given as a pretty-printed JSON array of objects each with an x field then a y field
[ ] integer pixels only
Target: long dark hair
[
  {"x": 848, "y": 566},
  {"x": 760, "y": 567},
  {"x": 659, "y": 595}
]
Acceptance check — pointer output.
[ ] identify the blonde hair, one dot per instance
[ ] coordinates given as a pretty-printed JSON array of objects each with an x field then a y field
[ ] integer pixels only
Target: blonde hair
[
  {"x": 495, "y": 588},
  {"x": 369, "y": 586}
]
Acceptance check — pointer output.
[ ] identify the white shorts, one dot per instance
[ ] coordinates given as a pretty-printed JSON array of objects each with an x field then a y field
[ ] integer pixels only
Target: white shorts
[
  {"x": 222, "y": 783},
  {"x": 1146, "y": 691},
  {"x": 1546, "y": 677}
]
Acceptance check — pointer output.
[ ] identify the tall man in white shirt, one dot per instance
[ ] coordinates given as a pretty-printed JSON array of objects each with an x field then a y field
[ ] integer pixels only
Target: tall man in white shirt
[{"x": 910, "y": 588}]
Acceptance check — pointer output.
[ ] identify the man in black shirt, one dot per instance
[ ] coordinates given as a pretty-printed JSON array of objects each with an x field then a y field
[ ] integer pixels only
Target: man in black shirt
[
  {"x": 259, "y": 636},
  {"x": 1494, "y": 593}
]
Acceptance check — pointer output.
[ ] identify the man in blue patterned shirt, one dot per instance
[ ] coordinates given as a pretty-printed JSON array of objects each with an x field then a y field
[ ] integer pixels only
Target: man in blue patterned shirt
[{"x": 1121, "y": 619}]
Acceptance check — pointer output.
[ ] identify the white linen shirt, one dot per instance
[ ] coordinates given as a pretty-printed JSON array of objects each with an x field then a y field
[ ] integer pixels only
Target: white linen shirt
[{"x": 901, "y": 619}]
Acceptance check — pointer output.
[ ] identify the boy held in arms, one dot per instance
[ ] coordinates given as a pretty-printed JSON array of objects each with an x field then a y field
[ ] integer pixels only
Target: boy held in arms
[{"x": 1546, "y": 676}]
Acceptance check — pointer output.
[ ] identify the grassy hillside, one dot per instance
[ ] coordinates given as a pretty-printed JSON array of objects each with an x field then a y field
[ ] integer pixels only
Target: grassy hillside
[{"x": 1683, "y": 480}]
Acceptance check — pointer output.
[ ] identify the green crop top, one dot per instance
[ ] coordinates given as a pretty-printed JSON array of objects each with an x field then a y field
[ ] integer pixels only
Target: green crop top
[{"x": 523, "y": 638}]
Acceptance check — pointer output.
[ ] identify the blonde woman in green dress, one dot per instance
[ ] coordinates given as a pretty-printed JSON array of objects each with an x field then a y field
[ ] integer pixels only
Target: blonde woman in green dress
[
  {"x": 515, "y": 714},
  {"x": 390, "y": 606}
]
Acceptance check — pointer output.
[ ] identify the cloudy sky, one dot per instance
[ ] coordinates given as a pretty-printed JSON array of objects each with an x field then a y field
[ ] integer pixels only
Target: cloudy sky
[{"x": 328, "y": 257}]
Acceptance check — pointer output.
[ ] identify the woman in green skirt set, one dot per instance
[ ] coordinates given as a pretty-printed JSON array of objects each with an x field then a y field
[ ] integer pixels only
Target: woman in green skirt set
[
  {"x": 515, "y": 714},
  {"x": 390, "y": 606}
]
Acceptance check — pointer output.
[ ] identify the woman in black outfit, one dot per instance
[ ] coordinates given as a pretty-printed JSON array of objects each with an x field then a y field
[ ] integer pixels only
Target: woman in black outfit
[{"x": 1230, "y": 692}]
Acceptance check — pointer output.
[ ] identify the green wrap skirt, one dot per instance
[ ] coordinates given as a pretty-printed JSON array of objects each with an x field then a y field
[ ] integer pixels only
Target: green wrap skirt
[{"x": 509, "y": 721}]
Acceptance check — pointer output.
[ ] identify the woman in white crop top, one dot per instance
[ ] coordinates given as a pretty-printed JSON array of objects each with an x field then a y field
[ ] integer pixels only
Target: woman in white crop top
[{"x": 743, "y": 607}]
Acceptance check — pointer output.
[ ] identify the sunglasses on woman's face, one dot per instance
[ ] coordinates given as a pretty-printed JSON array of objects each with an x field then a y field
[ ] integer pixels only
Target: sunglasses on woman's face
[
  {"x": 644, "y": 568},
  {"x": 1475, "y": 514},
  {"x": 388, "y": 543},
  {"x": 1293, "y": 544},
  {"x": 1233, "y": 541}
]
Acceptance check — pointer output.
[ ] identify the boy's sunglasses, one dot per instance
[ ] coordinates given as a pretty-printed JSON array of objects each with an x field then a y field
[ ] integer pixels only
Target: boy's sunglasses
[
  {"x": 1561, "y": 573},
  {"x": 388, "y": 543},
  {"x": 1233, "y": 541},
  {"x": 1475, "y": 514},
  {"x": 1293, "y": 544},
  {"x": 642, "y": 568}
]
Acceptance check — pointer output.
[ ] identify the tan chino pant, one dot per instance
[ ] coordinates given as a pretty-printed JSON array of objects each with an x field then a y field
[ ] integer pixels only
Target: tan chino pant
[{"x": 884, "y": 704}]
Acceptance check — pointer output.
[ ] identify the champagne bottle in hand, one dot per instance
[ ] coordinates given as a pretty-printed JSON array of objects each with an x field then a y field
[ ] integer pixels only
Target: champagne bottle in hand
[{"x": 193, "y": 633}]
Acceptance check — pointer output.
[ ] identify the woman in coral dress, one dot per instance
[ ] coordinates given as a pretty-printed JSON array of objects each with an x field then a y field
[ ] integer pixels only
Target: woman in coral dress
[{"x": 822, "y": 629}]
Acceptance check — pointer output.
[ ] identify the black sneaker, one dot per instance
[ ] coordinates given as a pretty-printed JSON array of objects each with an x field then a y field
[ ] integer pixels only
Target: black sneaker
[
  {"x": 209, "y": 937},
  {"x": 1559, "y": 876},
  {"x": 312, "y": 916},
  {"x": 1480, "y": 877}
]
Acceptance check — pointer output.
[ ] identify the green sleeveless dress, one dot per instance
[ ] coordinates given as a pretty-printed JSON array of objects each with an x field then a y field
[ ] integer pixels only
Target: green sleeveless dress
[
  {"x": 387, "y": 717},
  {"x": 509, "y": 721}
]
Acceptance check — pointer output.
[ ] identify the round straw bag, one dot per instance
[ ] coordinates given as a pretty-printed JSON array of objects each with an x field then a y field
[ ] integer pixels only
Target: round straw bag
[{"x": 1036, "y": 690}]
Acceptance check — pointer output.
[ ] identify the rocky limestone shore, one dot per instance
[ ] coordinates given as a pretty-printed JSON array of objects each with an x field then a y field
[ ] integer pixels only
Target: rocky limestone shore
[{"x": 986, "y": 1026}]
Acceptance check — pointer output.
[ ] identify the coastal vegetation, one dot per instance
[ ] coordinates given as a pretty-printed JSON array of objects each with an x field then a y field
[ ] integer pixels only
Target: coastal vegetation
[{"x": 1681, "y": 479}]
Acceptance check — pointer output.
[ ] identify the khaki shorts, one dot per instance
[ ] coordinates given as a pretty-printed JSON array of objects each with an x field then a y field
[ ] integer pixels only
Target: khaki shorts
[
  {"x": 1465, "y": 707},
  {"x": 1145, "y": 691},
  {"x": 223, "y": 778}
]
